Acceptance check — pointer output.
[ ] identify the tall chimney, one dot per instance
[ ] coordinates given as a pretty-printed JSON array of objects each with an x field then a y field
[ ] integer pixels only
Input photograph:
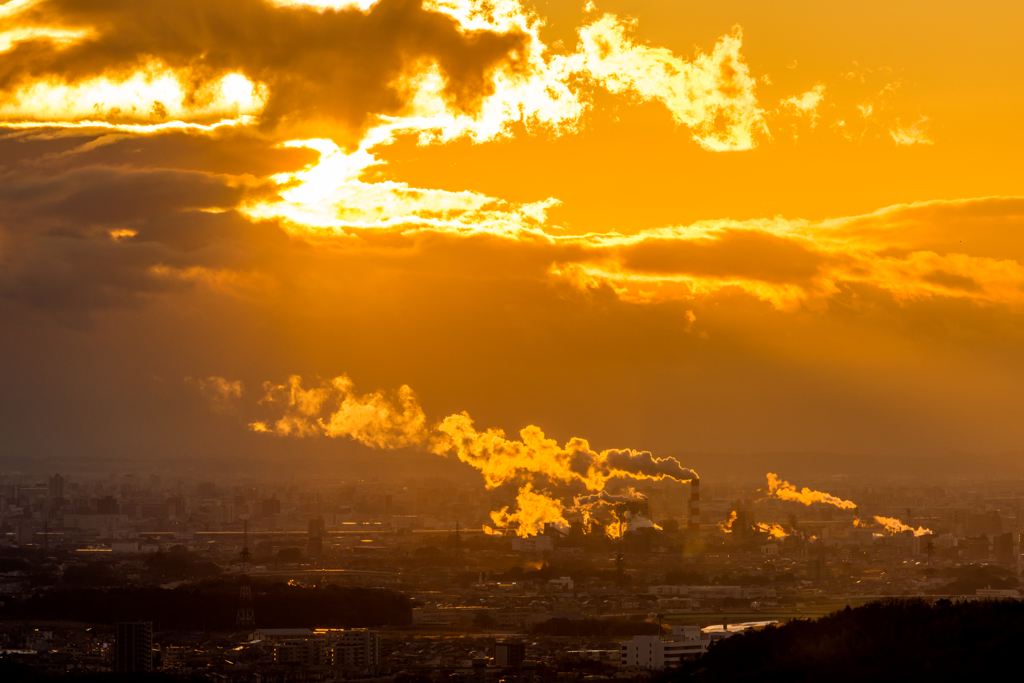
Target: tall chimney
[{"x": 695, "y": 506}]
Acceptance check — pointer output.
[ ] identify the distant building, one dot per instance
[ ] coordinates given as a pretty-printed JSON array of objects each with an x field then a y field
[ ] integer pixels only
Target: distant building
[
  {"x": 562, "y": 583},
  {"x": 817, "y": 568},
  {"x": 29, "y": 495},
  {"x": 722, "y": 631},
  {"x": 699, "y": 592},
  {"x": 174, "y": 657},
  {"x": 301, "y": 652},
  {"x": 1006, "y": 547},
  {"x": 655, "y": 652},
  {"x": 976, "y": 548},
  {"x": 511, "y": 618},
  {"x": 153, "y": 511},
  {"x": 984, "y": 524},
  {"x": 452, "y": 616},
  {"x": 675, "y": 604},
  {"x": 133, "y": 647},
  {"x": 177, "y": 506},
  {"x": 278, "y": 634},
  {"x": 533, "y": 544},
  {"x": 744, "y": 522},
  {"x": 315, "y": 542},
  {"x": 509, "y": 654},
  {"x": 56, "y": 486},
  {"x": 105, "y": 524},
  {"x": 354, "y": 649}
]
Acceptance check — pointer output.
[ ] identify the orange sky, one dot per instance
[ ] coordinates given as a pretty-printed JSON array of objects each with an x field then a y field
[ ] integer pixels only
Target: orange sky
[{"x": 667, "y": 226}]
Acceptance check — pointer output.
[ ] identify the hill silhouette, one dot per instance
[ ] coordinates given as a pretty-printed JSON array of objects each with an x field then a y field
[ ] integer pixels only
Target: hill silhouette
[{"x": 896, "y": 640}]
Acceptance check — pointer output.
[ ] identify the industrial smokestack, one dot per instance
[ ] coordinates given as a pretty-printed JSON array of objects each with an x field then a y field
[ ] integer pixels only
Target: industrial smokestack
[{"x": 695, "y": 506}]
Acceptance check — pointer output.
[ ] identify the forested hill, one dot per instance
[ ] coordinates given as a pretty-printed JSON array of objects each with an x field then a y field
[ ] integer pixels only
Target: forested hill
[{"x": 886, "y": 641}]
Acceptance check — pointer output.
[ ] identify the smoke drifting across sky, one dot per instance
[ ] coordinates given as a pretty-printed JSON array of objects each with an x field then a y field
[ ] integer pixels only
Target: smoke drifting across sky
[
  {"x": 376, "y": 420},
  {"x": 678, "y": 228}
]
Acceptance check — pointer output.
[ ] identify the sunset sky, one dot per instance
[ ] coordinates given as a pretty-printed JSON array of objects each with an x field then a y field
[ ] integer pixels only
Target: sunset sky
[{"x": 669, "y": 226}]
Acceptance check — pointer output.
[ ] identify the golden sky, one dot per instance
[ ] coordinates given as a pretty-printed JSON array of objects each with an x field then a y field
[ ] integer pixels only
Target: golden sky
[{"x": 662, "y": 225}]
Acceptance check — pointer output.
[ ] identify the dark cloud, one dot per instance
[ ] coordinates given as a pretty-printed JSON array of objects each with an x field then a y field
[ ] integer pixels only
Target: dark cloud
[
  {"x": 736, "y": 253},
  {"x": 225, "y": 151},
  {"x": 952, "y": 280},
  {"x": 991, "y": 227},
  {"x": 107, "y": 197},
  {"x": 338, "y": 65},
  {"x": 92, "y": 237}
]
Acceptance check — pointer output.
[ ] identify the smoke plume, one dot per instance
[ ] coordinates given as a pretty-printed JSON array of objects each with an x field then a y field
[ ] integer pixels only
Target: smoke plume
[
  {"x": 773, "y": 530},
  {"x": 501, "y": 460},
  {"x": 638, "y": 521},
  {"x": 726, "y": 525},
  {"x": 895, "y": 526},
  {"x": 535, "y": 511},
  {"x": 389, "y": 421},
  {"x": 602, "y": 497},
  {"x": 595, "y": 507},
  {"x": 786, "y": 491},
  {"x": 374, "y": 420},
  {"x": 219, "y": 392}
]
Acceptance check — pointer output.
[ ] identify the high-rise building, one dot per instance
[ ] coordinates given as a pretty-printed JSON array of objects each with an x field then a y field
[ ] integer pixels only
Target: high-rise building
[
  {"x": 133, "y": 646},
  {"x": 56, "y": 486},
  {"x": 246, "y": 617},
  {"x": 744, "y": 523},
  {"x": 977, "y": 548},
  {"x": 177, "y": 506},
  {"x": 352, "y": 648},
  {"x": 315, "y": 542},
  {"x": 1006, "y": 547},
  {"x": 817, "y": 568}
]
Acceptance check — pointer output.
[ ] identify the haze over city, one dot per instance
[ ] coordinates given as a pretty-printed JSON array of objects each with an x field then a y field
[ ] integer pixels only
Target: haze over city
[{"x": 459, "y": 288}]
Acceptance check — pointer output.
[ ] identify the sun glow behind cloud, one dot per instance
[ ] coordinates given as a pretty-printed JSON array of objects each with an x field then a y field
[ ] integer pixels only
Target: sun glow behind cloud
[
  {"x": 713, "y": 94},
  {"x": 811, "y": 260},
  {"x": 153, "y": 94},
  {"x": 329, "y": 198},
  {"x": 483, "y": 143}
]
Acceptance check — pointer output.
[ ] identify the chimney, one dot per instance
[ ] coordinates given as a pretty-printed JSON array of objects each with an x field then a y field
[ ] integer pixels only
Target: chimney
[{"x": 695, "y": 506}]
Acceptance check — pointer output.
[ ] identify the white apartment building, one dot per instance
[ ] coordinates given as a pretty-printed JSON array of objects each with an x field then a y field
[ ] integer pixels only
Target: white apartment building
[
  {"x": 353, "y": 648},
  {"x": 654, "y": 652}
]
